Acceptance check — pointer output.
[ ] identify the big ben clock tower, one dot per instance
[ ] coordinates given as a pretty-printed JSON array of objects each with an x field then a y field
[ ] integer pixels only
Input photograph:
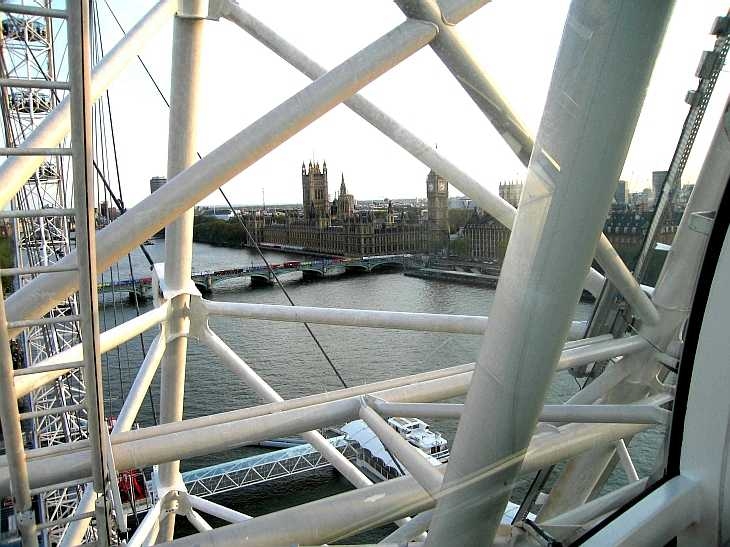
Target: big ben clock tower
[{"x": 437, "y": 192}]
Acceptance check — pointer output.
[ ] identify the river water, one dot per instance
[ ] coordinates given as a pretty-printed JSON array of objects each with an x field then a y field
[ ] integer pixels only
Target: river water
[{"x": 288, "y": 359}]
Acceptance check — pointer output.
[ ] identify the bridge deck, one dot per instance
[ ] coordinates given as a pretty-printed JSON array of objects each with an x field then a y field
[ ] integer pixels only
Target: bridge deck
[{"x": 261, "y": 468}]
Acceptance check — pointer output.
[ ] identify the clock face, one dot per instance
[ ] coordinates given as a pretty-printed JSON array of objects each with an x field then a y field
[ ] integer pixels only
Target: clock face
[{"x": 442, "y": 186}]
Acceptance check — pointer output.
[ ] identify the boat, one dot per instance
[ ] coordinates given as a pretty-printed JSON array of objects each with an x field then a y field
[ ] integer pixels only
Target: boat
[{"x": 419, "y": 434}]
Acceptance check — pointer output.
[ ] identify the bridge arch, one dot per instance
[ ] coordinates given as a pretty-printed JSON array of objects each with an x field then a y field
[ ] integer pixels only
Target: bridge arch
[{"x": 387, "y": 265}]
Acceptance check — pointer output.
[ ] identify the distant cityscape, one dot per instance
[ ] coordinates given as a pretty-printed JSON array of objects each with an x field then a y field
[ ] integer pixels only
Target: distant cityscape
[{"x": 339, "y": 224}]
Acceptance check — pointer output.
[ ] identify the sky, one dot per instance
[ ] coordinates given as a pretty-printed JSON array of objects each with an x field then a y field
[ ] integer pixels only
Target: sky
[{"x": 515, "y": 41}]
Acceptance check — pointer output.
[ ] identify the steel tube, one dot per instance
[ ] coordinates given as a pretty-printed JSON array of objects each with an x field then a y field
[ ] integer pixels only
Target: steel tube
[
  {"x": 109, "y": 339},
  {"x": 216, "y": 510},
  {"x": 600, "y": 506},
  {"x": 416, "y": 526},
  {"x": 197, "y": 521},
  {"x": 656, "y": 519},
  {"x": 32, "y": 10},
  {"x": 608, "y": 414},
  {"x": 565, "y": 413},
  {"x": 417, "y": 410},
  {"x": 475, "y": 81},
  {"x": 187, "y": 46},
  {"x": 387, "y": 389},
  {"x": 578, "y": 156},
  {"x": 428, "y": 476},
  {"x": 239, "y": 367},
  {"x": 79, "y": 60},
  {"x": 132, "y": 450},
  {"x": 626, "y": 463},
  {"x": 503, "y": 211},
  {"x": 673, "y": 296},
  {"x": 75, "y": 532},
  {"x": 147, "y": 527},
  {"x": 13, "y": 440},
  {"x": 343, "y": 515},
  {"x": 229, "y": 159},
  {"x": 424, "y": 322},
  {"x": 601, "y": 350},
  {"x": 15, "y": 171}
]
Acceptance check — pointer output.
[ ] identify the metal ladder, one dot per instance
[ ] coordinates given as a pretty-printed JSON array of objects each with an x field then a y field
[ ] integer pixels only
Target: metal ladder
[{"x": 103, "y": 474}]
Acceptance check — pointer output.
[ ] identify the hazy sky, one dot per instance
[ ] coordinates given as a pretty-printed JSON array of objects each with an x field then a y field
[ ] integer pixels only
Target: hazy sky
[{"x": 514, "y": 40}]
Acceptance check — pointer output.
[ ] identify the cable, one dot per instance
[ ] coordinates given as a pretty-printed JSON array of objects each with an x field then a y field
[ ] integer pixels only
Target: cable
[
  {"x": 240, "y": 220},
  {"x": 278, "y": 282}
]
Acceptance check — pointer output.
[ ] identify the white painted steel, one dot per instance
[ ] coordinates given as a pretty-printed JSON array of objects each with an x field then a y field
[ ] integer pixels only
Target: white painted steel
[
  {"x": 13, "y": 440},
  {"x": 109, "y": 339},
  {"x": 229, "y": 159},
  {"x": 75, "y": 532},
  {"x": 15, "y": 171},
  {"x": 340, "y": 516},
  {"x": 187, "y": 47},
  {"x": 241, "y": 369},
  {"x": 147, "y": 527},
  {"x": 626, "y": 463},
  {"x": 428, "y": 476},
  {"x": 425, "y": 322},
  {"x": 503, "y": 211},
  {"x": 453, "y": 11},
  {"x": 656, "y": 519},
  {"x": 673, "y": 297},
  {"x": 566, "y": 413},
  {"x": 142, "y": 448},
  {"x": 79, "y": 60},
  {"x": 216, "y": 510},
  {"x": 600, "y": 506},
  {"x": 407, "y": 532},
  {"x": 477, "y": 84},
  {"x": 197, "y": 521},
  {"x": 705, "y": 433},
  {"x": 579, "y": 153}
]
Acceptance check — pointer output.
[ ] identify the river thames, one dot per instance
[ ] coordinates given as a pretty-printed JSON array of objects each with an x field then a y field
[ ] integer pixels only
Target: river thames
[{"x": 288, "y": 359}]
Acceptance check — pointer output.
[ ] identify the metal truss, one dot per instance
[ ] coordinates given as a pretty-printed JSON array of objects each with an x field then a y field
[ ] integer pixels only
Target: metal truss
[
  {"x": 29, "y": 53},
  {"x": 258, "y": 469},
  {"x": 505, "y": 431}
]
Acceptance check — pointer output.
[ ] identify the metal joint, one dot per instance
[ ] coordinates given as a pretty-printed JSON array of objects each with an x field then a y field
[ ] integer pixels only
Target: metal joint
[{"x": 201, "y": 9}]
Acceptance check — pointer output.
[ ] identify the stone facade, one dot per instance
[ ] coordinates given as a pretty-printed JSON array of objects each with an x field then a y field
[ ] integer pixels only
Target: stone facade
[
  {"x": 315, "y": 199},
  {"x": 337, "y": 228},
  {"x": 360, "y": 237}
]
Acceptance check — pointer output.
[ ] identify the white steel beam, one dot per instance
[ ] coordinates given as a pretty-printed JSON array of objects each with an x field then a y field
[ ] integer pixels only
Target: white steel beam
[
  {"x": 333, "y": 518},
  {"x": 608, "y": 414},
  {"x": 13, "y": 440},
  {"x": 598, "y": 507},
  {"x": 15, "y": 171},
  {"x": 578, "y": 156},
  {"x": 197, "y": 521},
  {"x": 424, "y": 322},
  {"x": 109, "y": 339},
  {"x": 475, "y": 81},
  {"x": 656, "y": 519},
  {"x": 79, "y": 62},
  {"x": 673, "y": 296},
  {"x": 187, "y": 46},
  {"x": 76, "y": 530},
  {"x": 216, "y": 510},
  {"x": 503, "y": 211},
  {"x": 226, "y": 161},
  {"x": 241, "y": 369},
  {"x": 428, "y": 476},
  {"x": 142, "y": 448}
]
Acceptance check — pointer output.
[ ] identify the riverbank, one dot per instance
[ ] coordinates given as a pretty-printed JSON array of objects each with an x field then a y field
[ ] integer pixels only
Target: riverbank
[{"x": 470, "y": 278}]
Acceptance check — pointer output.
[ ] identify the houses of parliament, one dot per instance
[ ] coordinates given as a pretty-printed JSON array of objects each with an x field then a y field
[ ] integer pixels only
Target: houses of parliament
[{"x": 337, "y": 227}]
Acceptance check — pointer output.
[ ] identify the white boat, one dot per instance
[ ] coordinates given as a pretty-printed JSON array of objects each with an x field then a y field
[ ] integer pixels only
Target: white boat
[{"x": 418, "y": 433}]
